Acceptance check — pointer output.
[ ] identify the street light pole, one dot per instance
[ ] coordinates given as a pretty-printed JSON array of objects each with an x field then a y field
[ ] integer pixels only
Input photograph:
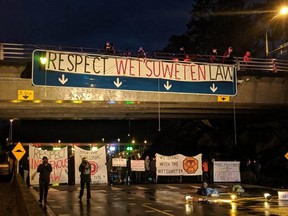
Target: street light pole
[
  {"x": 266, "y": 42},
  {"x": 282, "y": 12},
  {"x": 10, "y": 140}
]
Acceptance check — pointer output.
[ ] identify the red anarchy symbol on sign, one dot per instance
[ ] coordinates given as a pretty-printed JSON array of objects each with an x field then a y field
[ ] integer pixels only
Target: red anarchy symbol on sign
[{"x": 94, "y": 167}]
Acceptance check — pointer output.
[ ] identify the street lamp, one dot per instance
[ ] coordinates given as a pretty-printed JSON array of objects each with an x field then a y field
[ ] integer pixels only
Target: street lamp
[
  {"x": 10, "y": 139},
  {"x": 282, "y": 12}
]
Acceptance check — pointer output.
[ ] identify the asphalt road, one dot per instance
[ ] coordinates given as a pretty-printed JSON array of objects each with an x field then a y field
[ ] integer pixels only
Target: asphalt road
[{"x": 160, "y": 199}]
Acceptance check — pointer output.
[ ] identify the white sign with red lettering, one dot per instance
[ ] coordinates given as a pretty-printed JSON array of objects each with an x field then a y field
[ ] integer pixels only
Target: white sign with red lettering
[
  {"x": 137, "y": 165},
  {"x": 97, "y": 159},
  {"x": 58, "y": 160}
]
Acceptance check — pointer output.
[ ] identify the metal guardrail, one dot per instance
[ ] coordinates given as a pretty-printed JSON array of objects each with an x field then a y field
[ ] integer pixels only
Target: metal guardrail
[{"x": 23, "y": 53}]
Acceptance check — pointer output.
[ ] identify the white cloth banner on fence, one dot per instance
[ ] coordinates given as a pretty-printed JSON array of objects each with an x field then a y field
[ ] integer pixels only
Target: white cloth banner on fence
[
  {"x": 58, "y": 160},
  {"x": 97, "y": 159},
  {"x": 178, "y": 165},
  {"x": 226, "y": 171}
]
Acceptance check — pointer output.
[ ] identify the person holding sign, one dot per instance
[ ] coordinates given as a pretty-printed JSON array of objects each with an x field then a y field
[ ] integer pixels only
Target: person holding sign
[
  {"x": 85, "y": 178},
  {"x": 44, "y": 169}
]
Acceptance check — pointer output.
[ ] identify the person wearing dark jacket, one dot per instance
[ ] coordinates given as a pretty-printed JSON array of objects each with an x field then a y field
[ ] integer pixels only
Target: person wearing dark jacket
[
  {"x": 44, "y": 169},
  {"x": 85, "y": 178}
]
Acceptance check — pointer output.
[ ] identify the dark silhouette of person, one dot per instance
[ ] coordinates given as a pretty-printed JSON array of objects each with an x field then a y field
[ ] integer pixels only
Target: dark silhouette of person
[
  {"x": 228, "y": 56},
  {"x": 141, "y": 53},
  {"x": 44, "y": 169},
  {"x": 85, "y": 178},
  {"x": 153, "y": 169},
  {"x": 213, "y": 55}
]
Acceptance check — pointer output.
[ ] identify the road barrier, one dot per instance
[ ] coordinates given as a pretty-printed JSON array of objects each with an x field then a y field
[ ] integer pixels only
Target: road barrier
[
  {"x": 23, "y": 52},
  {"x": 25, "y": 202}
]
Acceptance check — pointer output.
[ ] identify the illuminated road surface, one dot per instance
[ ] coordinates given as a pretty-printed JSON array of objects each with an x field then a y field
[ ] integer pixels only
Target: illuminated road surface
[{"x": 159, "y": 199}]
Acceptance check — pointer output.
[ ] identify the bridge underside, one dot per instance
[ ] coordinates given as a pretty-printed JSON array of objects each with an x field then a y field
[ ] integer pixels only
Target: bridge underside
[
  {"x": 256, "y": 96},
  {"x": 138, "y": 110}
]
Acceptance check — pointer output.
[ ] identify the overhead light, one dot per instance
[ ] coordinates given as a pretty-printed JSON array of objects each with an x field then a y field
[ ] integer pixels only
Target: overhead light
[
  {"x": 111, "y": 102},
  {"x": 94, "y": 148},
  {"x": 43, "y": 60},
  {"x": 59, "y": 101},
  {"x": 77, "y": 101},
  {"x": 129, "y": 102},
  {"x": 112, "y": 148},
  {"x": 16, "y": 101}
]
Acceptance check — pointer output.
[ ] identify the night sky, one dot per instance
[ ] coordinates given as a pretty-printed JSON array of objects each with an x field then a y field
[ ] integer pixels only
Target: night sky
[{"x": 128, "y": 24}]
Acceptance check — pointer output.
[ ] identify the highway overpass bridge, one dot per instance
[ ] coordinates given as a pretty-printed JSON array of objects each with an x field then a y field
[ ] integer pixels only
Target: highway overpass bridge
[{"x": 262, "y": 89}]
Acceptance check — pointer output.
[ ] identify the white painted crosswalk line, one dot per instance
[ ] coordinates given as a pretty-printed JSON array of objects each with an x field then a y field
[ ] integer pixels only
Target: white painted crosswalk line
[
  {"x": 172, "y": 187},
  {"x": 115, "y": 188},
  {"x": 222, "y": 186},
  {"x": 141, "y": 188}
]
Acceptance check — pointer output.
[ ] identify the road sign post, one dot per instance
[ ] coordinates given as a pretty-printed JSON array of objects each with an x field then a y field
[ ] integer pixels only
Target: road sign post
[
  {"x": 18, "y": 151},
  {"x": 67, "y": 69}
]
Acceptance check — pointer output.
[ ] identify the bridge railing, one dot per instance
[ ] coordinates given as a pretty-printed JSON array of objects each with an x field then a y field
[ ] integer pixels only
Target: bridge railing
[{"x": 23, "y": 53}]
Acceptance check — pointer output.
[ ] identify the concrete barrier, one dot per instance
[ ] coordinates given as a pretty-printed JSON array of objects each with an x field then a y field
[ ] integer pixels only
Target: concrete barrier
[{"x": 25, "y": 201}]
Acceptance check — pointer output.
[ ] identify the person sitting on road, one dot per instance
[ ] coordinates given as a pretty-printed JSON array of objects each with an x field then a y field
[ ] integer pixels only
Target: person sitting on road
[
  {"x": 237, "y": 189},
  {"x": 206, "y": 191}
]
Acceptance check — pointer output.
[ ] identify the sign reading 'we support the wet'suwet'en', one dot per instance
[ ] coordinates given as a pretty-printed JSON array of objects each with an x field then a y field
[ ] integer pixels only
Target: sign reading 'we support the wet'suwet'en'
[{"x": 84, "y": 70}]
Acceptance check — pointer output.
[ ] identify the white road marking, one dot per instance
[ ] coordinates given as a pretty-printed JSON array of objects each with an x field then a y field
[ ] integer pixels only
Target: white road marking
[
  {"x": 141, "y": 188},
  {"x": 157, "y": 210},
  {"x": 115, "y": 188},
  {"x": 172, "y": 187}
]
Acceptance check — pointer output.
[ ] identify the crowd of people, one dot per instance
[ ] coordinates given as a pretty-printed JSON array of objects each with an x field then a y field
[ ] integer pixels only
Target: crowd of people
[{"x": 227, "y": 57}]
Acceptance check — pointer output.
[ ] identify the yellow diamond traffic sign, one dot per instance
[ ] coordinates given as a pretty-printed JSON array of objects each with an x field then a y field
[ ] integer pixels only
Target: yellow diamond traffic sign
[
  {"x": 286, "y": 155},
  {"x": 223, "y": 98},
  {"x": 18, "y": 151},
  {"x": 25, "y": 94}
]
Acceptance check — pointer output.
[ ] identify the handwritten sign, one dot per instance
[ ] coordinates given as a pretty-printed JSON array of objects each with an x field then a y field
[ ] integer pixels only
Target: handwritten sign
[
  {"x": 283, "y": 195},
  {"x": 58, "y": 160},
  {"x": 177, "y": 165},
  {"x": 137, "y": 165},
  {"x": 119, "y": 162},
  {"x": 226, "y": 171}
]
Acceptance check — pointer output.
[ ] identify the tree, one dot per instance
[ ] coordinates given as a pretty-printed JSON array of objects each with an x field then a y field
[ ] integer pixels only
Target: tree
[{"x": 223, "y": 23}]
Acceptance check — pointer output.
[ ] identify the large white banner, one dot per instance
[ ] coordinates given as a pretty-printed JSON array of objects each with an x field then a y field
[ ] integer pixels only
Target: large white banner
[
  {"x": 97, "y": 159},
  {"x": 226, "y": 171},
  {"x": 58, "y": 160},
  {"x": 178, "y": 165},
  {"x": 101, "y": 65}
]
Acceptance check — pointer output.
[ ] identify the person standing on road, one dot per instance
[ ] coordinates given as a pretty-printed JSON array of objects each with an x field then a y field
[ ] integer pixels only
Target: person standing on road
[
  {"x": 205, "y": 170},
  {"x": 153, "y": 169},
  {"x": 25, "y": 166},
  {"x": 44, "y": 169},
  {"x": 85, "y": 178},
  {"x": 147, "y": 169}
]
